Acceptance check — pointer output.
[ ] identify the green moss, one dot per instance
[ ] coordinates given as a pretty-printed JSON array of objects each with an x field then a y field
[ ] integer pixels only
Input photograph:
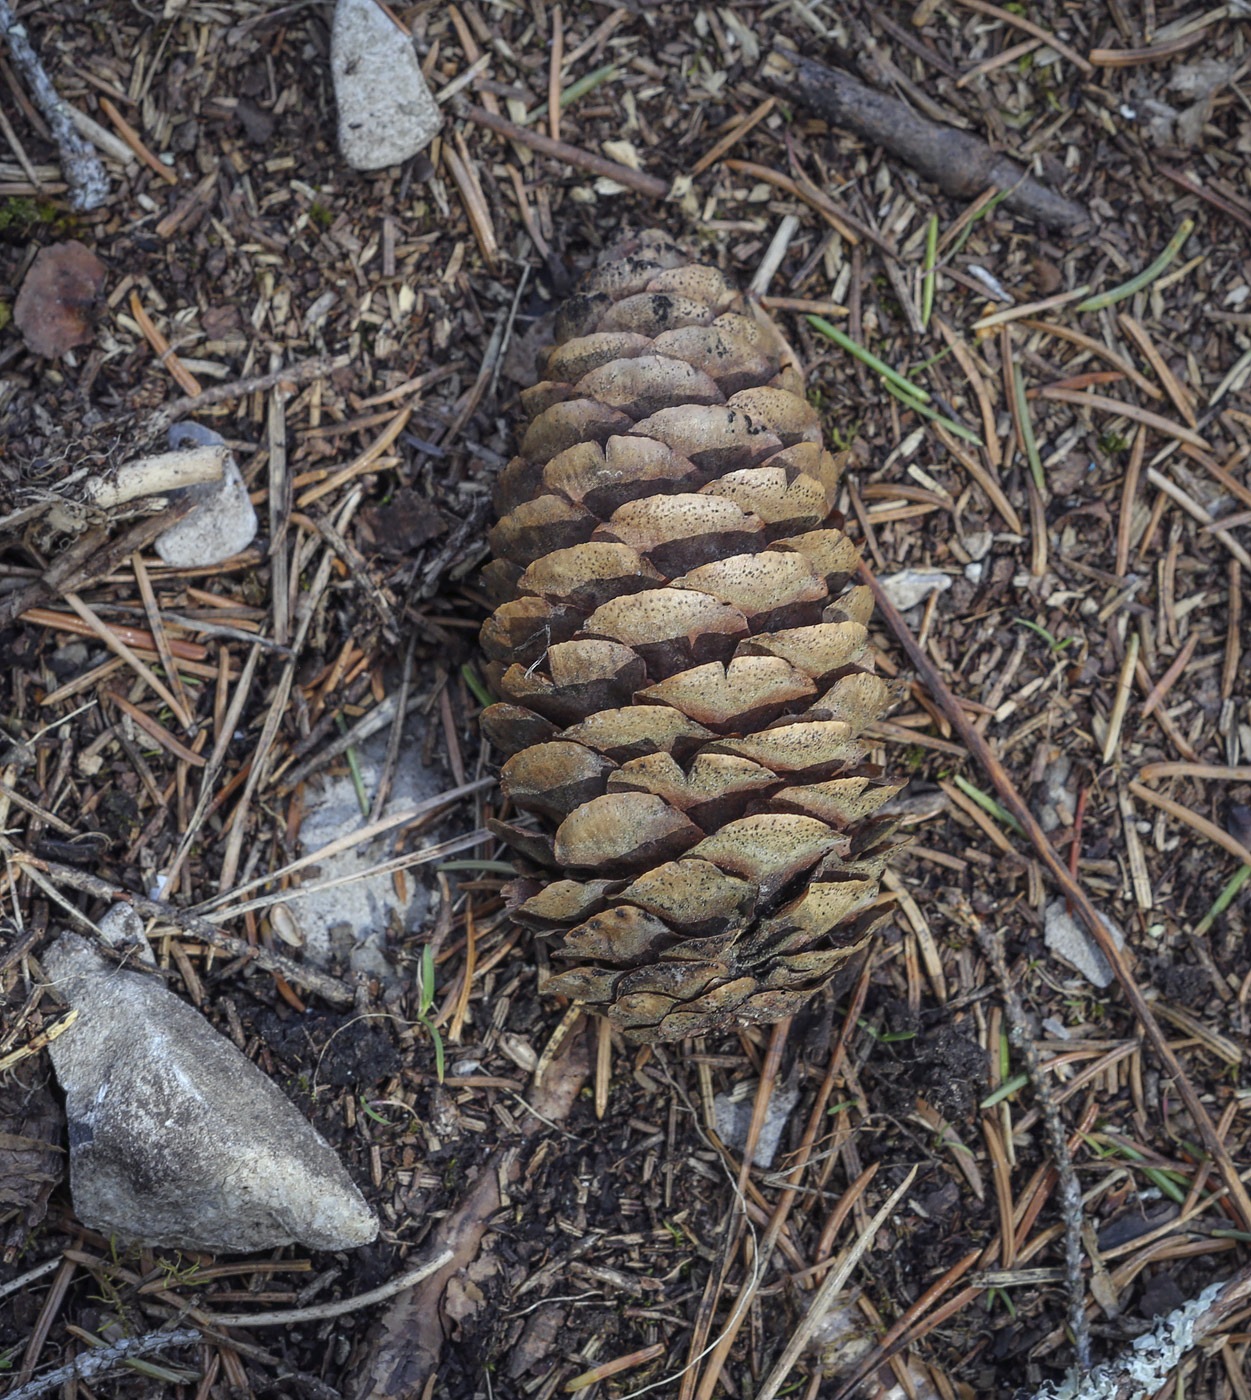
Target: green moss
[
  {"x": 19, "y": 214},
  {"x": 320, "y": 214}
]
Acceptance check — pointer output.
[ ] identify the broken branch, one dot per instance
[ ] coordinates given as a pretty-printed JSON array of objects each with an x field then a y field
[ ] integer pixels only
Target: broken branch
[{"x": 957, "y": 162}]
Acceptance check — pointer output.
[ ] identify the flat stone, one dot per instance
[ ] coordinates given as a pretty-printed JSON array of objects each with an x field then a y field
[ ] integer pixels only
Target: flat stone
[
  {"x": 177, "y": 1140},
  {"x": 221, "y": 524},
  {"x": 351, "y": 922},
  {"x": 1072, "y": 943},
  {"x": 912, "y": 586},
  {"x": 733, "y": 1112},
  {"x": 386, "y": 112}
]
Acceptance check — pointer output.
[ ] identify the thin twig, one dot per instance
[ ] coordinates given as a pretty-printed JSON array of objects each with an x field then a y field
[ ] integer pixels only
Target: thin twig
[
  {"x": 95, "y": 1365},
  {"x": 326, "y": 987},
  {"x": 571, "y": 155},
  {"x": 1073, "y": 891},
  {"x": 291, "y": 1317},
  {"x": 302, "y": 372},
  {"x": 89, "y": 185}
]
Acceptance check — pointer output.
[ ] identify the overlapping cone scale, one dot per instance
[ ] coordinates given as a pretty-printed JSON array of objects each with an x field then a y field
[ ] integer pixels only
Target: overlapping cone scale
[{"x": 681, "y": 662}]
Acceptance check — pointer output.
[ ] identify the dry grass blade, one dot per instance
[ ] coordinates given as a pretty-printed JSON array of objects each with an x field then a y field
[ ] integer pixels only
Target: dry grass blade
[
  {"x": 1126, "y": 410},
  {"x": 835, "y": 1280},
  {"x": 1192, "y": 819}
]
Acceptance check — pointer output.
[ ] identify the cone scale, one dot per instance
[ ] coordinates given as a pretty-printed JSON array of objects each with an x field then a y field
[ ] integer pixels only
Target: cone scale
[{"x": 681, "y": 663}]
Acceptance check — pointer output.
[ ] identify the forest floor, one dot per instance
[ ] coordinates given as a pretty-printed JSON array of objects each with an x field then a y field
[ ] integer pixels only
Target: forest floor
[{"x": 360, "y": 341}]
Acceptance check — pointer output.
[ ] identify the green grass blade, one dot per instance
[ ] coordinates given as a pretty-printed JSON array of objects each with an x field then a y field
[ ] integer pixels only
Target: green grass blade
[
  {"x": 867, "y": 357},
  {"x": 1145, "y": 277},
  {"x": 927, "y": 280},
  {"x": 956, "y": 429},
  {"x": 987, "y": 803}
]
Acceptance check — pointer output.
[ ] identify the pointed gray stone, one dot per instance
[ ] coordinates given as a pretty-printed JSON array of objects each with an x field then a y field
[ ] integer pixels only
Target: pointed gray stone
[
  {"x": 176, "y": 1139},
  {"x": 386, "y": 112}
]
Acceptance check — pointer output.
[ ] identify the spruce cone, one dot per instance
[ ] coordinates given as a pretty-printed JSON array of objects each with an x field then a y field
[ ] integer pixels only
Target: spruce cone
[{"x": 681, "y": 665}]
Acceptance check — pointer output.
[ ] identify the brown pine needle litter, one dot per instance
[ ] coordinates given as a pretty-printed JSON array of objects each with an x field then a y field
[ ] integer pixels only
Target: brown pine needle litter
[{"x": 1059, "y": 498}]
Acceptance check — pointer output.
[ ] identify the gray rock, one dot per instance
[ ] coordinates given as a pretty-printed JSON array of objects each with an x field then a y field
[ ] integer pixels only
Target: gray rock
[
  {"x": 386, "y": 112},
  {"x": 912, "y": 586},
  {"x": 222, "y": 522},
  {"x": 733, "y": 1113},
  {"x": 1071, "y": 942},
  {"x": 176, "y": 1139},
  {"x": 350, "y": 922}
]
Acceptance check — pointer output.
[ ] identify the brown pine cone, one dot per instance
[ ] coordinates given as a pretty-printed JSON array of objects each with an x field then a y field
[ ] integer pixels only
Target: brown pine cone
[{"x": 682, "y": 667}]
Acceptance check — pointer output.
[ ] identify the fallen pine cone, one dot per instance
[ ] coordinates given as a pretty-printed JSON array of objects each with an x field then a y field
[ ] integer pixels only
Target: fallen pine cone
[{"x": 682, "y": 666}]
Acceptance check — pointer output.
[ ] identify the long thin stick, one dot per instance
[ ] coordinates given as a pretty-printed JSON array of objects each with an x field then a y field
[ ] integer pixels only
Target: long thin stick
[
  {"x": 292, "y": 1316},
  {"x": 95, "y": 1365},
  {"x": 328, "y": 988},
  {"x": 1074, "y": 892},
  {"x": 89, "y": 185},
  {"x": 571, "y": 155}
]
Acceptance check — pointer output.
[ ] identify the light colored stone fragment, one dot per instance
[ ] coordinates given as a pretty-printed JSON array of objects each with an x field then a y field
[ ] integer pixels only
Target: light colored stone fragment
[
  {"x": 912, "y": 586},
  {"x": 176, "y": 1139},
  {"x": 733, "y": 1113},
  {"x": 1070, "y": 941},
  {"x": 223, "y": 521},
  {"x": 386, "y": 112},
  {"x": 350, "y": 922}
]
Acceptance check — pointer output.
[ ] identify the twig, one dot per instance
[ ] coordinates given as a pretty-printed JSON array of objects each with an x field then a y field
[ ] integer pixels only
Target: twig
[
  {"x": 1144, "y": 1367},
  {"x": 95, "y": 1365},
  {"x": 299, "y": 373},
  {"x": 571, "y": 155},
  {"x": 957, "y": 161},
  {"x": 1076, "y": 895},
  {"x": 89, "y": 185},
  {"x": 328, "y": 988},
  {"x": 553, "y": 73},
  {"x": 161, "y": 347},
  {"x": 319, "y": 1311}
]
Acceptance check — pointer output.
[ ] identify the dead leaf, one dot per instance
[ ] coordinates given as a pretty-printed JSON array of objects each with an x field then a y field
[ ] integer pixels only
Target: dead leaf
[
  {"x": 54, "y": 310},
  {"x": 406, "y": 522}
]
